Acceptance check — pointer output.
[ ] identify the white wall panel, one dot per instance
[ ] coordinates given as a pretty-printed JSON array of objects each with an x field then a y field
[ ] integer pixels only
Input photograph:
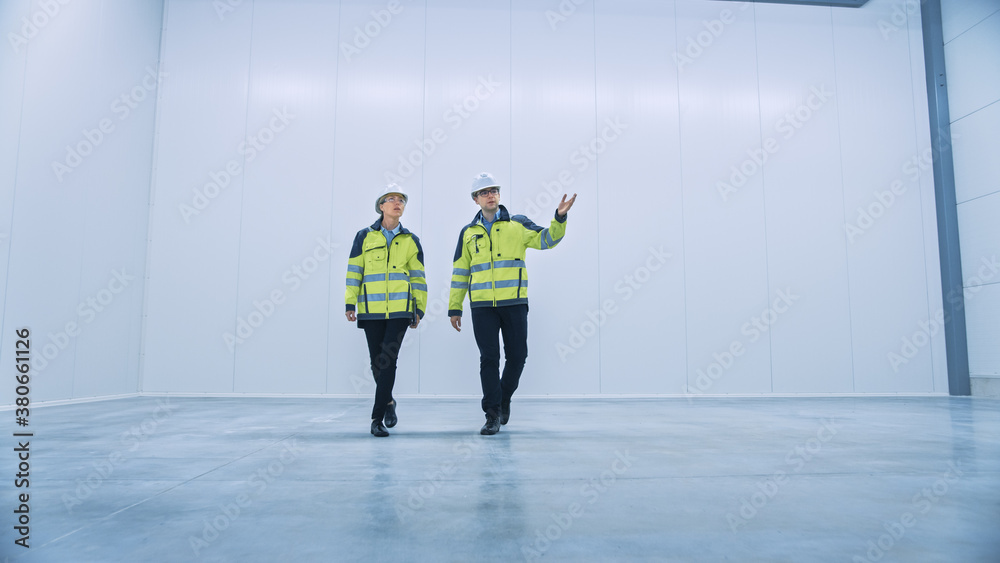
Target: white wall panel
[
  {"x": 957, "y": 16},
  {"x": 972, "y": 61},
  {"x": 84, "y": 152},
  {"x": 12, "y": 70},
  {"x": 803, "y": 195},
  {"x": 195, "y": 227},
  {"x": 982, "y": 304},
  {"x": 980, "y": 238},
  {"x": 43, "y": 283},
  {"x": 114, "y": 236},
  {"x": 468, "y": 106},
  {"x": 552, "y": 115},
  {"x": 886, "y": 254},
  {"x": 725, "y": 258},
  {"x": 971, "y": 40},
  {"x": 285, "y": 228},
  {"x": 641, "y": 224},
  {"x": 974, "y": 149},
  {"x": 681, "y": 95},
  {"x": 379, "y": 115}
]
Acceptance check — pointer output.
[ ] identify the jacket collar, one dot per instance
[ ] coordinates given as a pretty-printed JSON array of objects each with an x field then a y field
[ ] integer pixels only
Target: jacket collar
[
  {"x": 377, "y": 226},
  {"x": 502, "y": 215}
]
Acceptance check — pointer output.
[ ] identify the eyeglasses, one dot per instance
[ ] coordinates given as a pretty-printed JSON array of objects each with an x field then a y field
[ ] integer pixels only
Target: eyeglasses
[
  {"x": 488, "y": 191},
  {"x": 394, "y": 199}
]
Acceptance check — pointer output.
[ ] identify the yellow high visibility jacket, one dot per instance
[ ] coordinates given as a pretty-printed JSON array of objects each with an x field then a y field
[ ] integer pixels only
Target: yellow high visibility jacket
[
  {"x": 386, "y": 281},
  {"x": 489, "y": 266}
]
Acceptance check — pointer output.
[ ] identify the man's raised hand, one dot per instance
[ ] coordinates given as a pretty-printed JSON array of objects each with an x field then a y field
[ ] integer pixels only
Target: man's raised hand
[{"x": 564, "y": 205}]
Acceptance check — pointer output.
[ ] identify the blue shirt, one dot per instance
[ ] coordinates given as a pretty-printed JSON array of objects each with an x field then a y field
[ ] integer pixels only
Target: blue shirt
[
  {"x": 390, "y": 234},
  {"x": 489, "y": 224}
]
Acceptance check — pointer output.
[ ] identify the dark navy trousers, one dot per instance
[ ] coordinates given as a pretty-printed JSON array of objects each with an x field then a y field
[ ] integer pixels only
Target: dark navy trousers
[
  {"x": 488, "y": 323},
  {"x": 385, "y": 338}
]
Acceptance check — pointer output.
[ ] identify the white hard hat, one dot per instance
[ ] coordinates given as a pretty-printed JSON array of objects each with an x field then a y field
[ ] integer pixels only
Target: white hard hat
[
  {"x": 482, "y": 181},
  {"x": 390, "y": 189}
]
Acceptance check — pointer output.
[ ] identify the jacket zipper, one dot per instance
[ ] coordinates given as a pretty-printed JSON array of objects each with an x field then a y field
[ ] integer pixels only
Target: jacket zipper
[
  {"x": 493, "y": 280},
  {"x": 366, "y": 299},
  {"x": 388, "y": 251},
  {"x": 519, "y": 283}
]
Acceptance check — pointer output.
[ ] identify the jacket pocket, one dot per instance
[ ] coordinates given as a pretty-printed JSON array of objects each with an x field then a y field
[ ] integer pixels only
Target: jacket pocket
[
  {"x": 473, "y": 243},
  {"x": 375, "y": 256},
  {"x": 365, "y": 290}
]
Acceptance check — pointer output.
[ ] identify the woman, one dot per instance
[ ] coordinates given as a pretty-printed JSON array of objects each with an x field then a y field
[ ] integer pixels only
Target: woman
[{"x": 386, "y": 292}]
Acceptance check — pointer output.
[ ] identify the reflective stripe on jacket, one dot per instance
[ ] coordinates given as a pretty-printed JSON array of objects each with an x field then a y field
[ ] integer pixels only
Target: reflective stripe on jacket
[
  {"x": 489, "y": 266},
  {"x": 386, "y": 282}
]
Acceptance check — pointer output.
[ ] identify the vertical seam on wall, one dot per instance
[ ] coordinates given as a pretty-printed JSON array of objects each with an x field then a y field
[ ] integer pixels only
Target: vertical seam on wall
[
  {"x": 843, "y": 199},
  {"x": 680, "y": 158},
  {"x": 333, "y": 177},
  {"x": 423, "y": 135},
  {"x": 85, "y": 193},
  {"x": 82, "y": 235},
  {"x": 243, "y": 185},
  {"x": 147, "y": 259},
  {"x": 763, "y": 197},
  {"x": 923, "y": 222},
  {"x": 510, "y": 97},
  {"x": 597, "y": 222}
]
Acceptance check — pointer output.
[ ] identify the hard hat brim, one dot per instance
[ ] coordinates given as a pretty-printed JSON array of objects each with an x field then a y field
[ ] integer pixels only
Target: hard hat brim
[{"x": 479, "y": 189}]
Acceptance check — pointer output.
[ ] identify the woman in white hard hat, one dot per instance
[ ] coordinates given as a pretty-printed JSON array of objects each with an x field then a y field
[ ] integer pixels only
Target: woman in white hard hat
[{"x": 386, "y": 292}]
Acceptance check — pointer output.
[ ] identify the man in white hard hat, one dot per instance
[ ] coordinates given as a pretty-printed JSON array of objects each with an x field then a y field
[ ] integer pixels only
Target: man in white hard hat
[{"x": 489, "y": 266}]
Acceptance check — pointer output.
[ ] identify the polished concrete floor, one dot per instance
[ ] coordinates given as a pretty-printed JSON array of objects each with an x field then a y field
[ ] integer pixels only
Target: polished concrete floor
[{"x": 150, "y": 479}]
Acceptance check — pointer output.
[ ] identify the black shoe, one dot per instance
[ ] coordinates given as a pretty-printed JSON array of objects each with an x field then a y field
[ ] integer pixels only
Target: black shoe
[
  {"x": 390, "y": 415},
  {"x": 504, "y": 412},
  {"x": 491, "y": 427},
  {"x": 378, "y": 429}
]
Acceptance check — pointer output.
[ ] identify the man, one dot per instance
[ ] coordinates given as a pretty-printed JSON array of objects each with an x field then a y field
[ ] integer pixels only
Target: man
[{"x": 489, "y": 265}]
